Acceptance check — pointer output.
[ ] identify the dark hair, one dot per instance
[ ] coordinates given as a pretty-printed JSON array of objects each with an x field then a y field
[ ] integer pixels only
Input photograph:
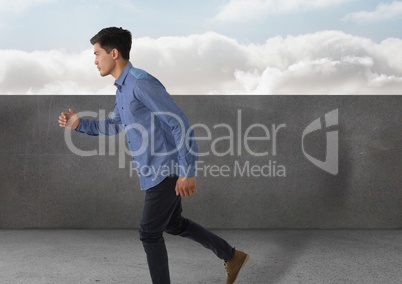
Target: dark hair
[{"x": 113, "y": 37}]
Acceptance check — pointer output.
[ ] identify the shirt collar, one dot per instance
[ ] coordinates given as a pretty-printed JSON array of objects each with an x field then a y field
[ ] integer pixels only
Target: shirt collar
[{"x": 119, "y": 82}]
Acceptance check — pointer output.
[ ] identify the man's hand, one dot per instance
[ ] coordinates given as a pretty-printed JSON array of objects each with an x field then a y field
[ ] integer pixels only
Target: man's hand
[
  {"x": 185, "y": 186},
  {"x": 69, "y": 119}
]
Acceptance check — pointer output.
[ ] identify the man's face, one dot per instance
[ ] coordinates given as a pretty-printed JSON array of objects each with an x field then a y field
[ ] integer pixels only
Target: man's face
[{"x": 103, "y": 60}]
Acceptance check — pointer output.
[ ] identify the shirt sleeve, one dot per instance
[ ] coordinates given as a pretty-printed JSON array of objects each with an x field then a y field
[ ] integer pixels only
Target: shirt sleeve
[
  {"x": 154, "y": 95},
  {"x": 109, "y": 126}
]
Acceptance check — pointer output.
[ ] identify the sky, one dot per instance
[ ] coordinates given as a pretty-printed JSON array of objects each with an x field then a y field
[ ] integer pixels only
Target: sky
[{"x": 207, "y": 47}]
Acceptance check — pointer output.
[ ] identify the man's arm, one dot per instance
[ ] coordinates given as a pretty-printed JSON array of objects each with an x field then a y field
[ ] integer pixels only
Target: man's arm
[
  {"x": 108, "y": 126},
  {"x": 154, "y": 95}
]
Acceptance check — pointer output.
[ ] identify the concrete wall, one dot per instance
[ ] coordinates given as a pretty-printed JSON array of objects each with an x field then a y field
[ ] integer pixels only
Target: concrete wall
[{"x": 43, "y": 184}]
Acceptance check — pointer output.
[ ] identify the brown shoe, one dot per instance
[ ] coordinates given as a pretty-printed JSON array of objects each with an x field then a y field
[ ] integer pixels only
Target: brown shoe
[{"x": 234, "y": 265}]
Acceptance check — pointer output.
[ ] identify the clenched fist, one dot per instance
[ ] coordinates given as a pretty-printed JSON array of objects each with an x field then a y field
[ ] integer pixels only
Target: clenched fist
[{"x": 69, "y": 119}]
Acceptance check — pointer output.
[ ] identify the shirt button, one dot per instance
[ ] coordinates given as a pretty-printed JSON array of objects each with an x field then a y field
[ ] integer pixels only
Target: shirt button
[{"x": 122, "y": 107}]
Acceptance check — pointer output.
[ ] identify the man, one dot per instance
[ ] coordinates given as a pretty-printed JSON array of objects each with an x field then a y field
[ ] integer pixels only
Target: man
[{"x": 161, "y": 141}]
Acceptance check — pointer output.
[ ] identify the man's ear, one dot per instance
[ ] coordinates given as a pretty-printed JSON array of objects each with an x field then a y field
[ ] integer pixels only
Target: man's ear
[{"x": 115, "y": 53}]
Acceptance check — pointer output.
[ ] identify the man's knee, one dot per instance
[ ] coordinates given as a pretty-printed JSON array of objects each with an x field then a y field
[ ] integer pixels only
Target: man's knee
[
  {"x": 178, "y": 227},
  {"x": 151, "y": 237}
]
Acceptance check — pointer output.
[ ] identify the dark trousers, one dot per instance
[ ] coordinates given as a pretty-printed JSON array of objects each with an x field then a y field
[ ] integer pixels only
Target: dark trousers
[{"x": 162, "y": 213}]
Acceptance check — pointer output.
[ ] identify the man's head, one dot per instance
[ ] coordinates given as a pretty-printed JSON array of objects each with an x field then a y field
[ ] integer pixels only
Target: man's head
[
  {"x": 110, "y": 38},
  {"x": 111, "y": 46}
]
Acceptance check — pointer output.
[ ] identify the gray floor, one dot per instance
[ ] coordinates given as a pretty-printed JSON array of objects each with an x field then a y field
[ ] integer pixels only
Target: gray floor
[{"x": 277, "y": 256}]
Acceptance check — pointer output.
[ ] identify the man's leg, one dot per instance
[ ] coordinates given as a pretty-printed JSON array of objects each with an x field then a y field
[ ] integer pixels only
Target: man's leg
[
  {"x": 159, "y": 206},
  {"x": 184, "y": 227},
  {"x": 162, "y": 212},
  {"x": 234, "y": 259}
]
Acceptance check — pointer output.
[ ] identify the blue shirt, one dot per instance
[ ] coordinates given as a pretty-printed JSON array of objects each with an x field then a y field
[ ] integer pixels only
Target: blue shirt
[{"x": 157, "y": 130}]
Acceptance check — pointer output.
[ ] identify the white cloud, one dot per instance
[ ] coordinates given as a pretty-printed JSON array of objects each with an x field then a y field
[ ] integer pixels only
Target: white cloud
[
  {"x": 240, "y": 10},
  {"x": 327, "y": 62},
  {"x": 50, "y": 72},
  {"x": 384, "y": 11},
  {"x": 21, "y": 5},
  {"x": 196, "y": 64}
]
